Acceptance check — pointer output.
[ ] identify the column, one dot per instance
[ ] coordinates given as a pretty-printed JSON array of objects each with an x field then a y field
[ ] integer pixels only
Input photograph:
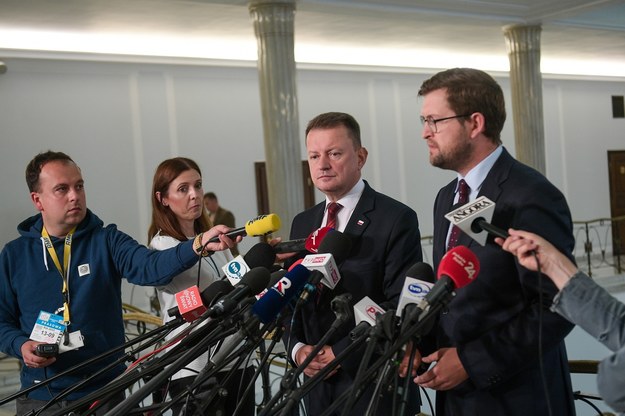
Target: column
[
  {"x": 274, "y": 28},
  {"x": 523, "y": 45}
]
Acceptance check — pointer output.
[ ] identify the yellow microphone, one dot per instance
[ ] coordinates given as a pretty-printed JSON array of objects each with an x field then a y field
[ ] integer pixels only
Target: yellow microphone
[{"x": 260, "y": 225}]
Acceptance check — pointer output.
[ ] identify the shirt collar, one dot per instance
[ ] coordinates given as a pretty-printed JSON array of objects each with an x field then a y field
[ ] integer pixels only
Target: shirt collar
[{"x": 477, "y": 175}]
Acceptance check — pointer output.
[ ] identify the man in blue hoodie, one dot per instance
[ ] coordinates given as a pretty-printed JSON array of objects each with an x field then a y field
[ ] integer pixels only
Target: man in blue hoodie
[{"x": 67, "y": 264}]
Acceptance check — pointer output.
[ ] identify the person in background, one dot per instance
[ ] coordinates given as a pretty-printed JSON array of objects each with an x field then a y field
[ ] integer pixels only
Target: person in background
[
  {"x": 65, "y": 271},
  {"x": 219, "y": 215},
  {"x": 385, "y": 243},
  {"x": 487, "y": 358},
  {"x": 581, "y": 301},
  {"x": 178, "y": 215}
]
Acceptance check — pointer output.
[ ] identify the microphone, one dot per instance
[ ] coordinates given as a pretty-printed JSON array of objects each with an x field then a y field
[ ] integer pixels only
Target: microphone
[
  {"x": 265, "y": 310},
  {"x": 458, "y": 267},
  {"x": 214, "y": 291},
  {"x": 256, "y": 227},
  {"x": 252, "y": 283},
  {"x": 260, "y": 255},
  {"x": 417, "y": 287},
  {"x": 474, "y": 217},
  {"x": 279, "y": 295},
  {"x": 334, "y": 249},
  {"x": 365, "y": 316},
  {"x": 273, "y": 279},
  {"x": 310, "y": 243}
]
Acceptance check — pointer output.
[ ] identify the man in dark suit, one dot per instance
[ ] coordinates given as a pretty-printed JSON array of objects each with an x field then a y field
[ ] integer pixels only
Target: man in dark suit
[
  {"x": 385, "y": 243},
  {"x": 488, "y": 360}
]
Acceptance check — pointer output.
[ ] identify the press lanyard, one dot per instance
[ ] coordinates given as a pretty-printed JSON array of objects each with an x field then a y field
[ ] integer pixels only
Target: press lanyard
[{"x": 63, "y": 270}]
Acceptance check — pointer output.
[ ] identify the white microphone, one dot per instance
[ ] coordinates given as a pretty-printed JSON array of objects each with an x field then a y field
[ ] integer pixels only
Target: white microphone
[
  {"x": 366, "y": 310},
  {"x": 474, "y": 217},
  {"x": 418, "y": 283},
  {"x": 325, "y": 264}
]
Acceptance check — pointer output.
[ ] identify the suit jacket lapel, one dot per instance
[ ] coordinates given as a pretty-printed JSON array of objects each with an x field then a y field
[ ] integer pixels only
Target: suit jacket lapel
[{"x": 359, "y": 221}]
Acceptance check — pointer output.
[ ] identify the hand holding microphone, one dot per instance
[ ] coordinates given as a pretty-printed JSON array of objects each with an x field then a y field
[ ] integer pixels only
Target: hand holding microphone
[{"x": 221, "y": 237}]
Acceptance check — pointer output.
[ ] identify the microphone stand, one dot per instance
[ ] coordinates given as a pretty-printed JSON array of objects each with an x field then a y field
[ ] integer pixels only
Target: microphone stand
[
  {"x": 262, "y": 369},
  {"x": 181, "y": 361},
  {"x": 412, "y": 332},
  {"x": 376, "y": 333},
  {"x": 131, "y": 377},
  {"x": 295, "y": 395},
  {"x": 166, "y": 327}
]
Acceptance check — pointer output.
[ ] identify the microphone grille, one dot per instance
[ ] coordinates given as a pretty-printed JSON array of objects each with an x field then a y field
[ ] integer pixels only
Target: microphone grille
[
  {"x": 260, "y": 255},
  {"x": 421, "y": 271}
]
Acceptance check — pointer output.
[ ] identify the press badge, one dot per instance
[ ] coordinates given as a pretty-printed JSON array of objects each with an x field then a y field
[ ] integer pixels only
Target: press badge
[{"x": 50, "y": 328}]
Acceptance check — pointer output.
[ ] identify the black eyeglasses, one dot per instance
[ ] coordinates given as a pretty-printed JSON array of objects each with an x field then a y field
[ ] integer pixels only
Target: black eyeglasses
[{"x": 432, "y": 121}]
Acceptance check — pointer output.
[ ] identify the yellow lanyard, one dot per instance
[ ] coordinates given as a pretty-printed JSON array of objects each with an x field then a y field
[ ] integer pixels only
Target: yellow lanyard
[{"x": 64, "y": 270}]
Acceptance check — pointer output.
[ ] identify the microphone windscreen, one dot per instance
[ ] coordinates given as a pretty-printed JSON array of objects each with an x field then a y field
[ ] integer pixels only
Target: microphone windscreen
[
  {"x": 280, "y": 294},
  {"x": 460, "y": 264},
  {"x": 262, "y": 225},
  {"x": 337, "y": 244},
  {"x": 256, "y": 279},
  {"x": 215, "y": 291},
  {"x": 421, "y": 271},
  {"x": 260, "y": 255}
]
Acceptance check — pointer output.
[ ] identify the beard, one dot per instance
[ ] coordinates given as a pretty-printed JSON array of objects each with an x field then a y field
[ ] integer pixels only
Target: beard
[{"x": 455, "y": 157}]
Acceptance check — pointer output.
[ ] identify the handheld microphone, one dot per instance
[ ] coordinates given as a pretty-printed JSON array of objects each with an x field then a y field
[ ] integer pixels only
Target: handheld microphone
[
  {"x": 310, "y": 243},
  {"x": 260, "y": 255},
  {"x": 418, "y": 283},
  {"x": 256, "y": 227},
  {"x": 214, "y": 291},
  {"x": 474, "y": 217},
  {"x": 252, "y": 283}
]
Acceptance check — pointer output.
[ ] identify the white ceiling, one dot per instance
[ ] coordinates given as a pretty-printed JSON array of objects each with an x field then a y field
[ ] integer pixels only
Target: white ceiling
[{"x": 585, "y": 37}]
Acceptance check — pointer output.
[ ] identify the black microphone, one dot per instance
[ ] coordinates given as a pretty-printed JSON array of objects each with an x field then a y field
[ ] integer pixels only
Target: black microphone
[
  {"x": 310, "y": 243},
  {"x": 214, "y": 291},
  {"x": 266, "y": 309},
  {"x": 257, "y": 227},
  {"x": 260, "y": 255},
  {"x": 474, "y": 217},
  {"x": 252, "y": 283}
]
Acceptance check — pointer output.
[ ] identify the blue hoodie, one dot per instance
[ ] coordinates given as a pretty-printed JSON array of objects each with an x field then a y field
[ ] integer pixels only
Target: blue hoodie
[{"x": 30, "y": 283}]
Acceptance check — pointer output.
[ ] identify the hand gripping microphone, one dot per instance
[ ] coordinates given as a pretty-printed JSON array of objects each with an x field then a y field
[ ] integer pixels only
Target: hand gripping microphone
[
  {"x": 260, "y": 255},
  {"x": 257, "y": 227},
  {"x": 252, "y": 283},
  {"x": 192, "y": 304},
  {"x": 474, "y": 217},
  {"x": 310, "y": 243}
]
